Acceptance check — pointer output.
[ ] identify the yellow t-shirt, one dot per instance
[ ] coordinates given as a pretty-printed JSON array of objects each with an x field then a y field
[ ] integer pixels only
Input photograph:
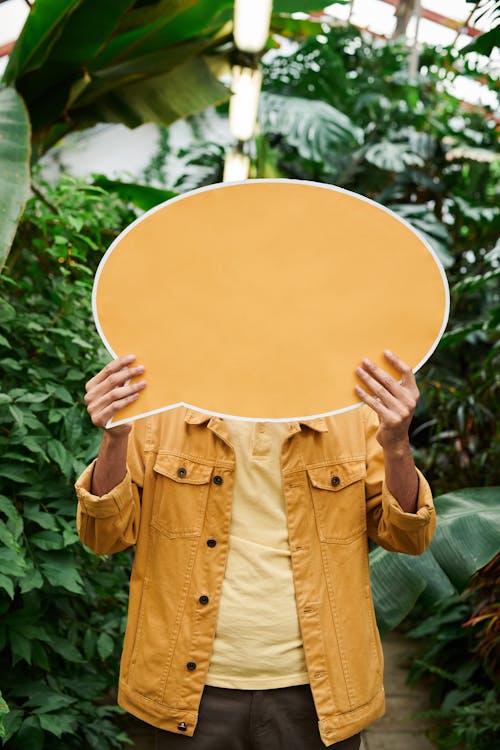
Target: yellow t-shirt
[{"x": 258, "y": 644}]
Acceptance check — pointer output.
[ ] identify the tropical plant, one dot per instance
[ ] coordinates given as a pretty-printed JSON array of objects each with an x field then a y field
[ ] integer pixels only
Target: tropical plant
[
  {"x": 458, "y": 655},
  {"x": 80, "y": 62},
  {"x": 62, "y": 609},
  {"x": 466, "y": 538}
]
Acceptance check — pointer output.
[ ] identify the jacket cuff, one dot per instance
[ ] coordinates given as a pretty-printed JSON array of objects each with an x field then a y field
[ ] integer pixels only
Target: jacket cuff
[
  {"x": 410, "y": 521},
  {"x": 107, "y": 505}
]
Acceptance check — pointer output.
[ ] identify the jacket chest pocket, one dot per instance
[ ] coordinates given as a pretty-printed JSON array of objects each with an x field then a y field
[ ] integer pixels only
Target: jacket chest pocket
[
  {"x": 181, "y": 493},
  {"x": 338, "y": 495}
]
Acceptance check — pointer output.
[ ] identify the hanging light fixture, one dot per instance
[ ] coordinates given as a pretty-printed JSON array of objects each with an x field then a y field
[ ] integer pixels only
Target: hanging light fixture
[
  {"x": 251, "y": 30},
  {"x": 244, "y": 102},
  {"x": 251, "y": 24},
  {"x": 236, "y": 167}
]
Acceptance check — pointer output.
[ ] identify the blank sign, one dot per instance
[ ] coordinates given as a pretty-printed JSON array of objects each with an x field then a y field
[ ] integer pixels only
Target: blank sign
[{"x": 257, "y": 300}]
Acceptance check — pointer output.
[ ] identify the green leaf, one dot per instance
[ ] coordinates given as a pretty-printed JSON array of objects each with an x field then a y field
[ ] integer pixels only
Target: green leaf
[
  {"x": 66, "y": 650},
  {"x": 316, "y": 129},
  {"x": 30, "y": 736},
  {"x": 61, "y": 456},
  {"x": 57, "y": 724},
  {"x": 87, "y": 687},
  {"x": 484, "y": 44},
  {"x": 425, "y": 222},
  {"x": 43, "y": 27},
  {"x": 61, "y": 393},
  {"x": 11, "y": 723},
  {"x": 81, "y": 40},
  {"x": 73, "y": 425},
  {"x": 89, "y": 644},
  {"x": 47, "y": 540},
  {"x": 43, "y": 698},
  {"x": 59, "y": 568},
  {"x": 105, "y": 645},
  {"x": 148, "y": 30},
  {"x": 7, "y": 312},
  {"x": 140, "y": 68},
  {"x": 308, "y": 6},
  {"x": 15, "y": 473},
  {"x": 142, "y": 196},
  {"x": 17, "y": 414},
  {"x": 7, "y": 538},
  {"x": 7, "y": 585},
  {"x": 40, "y": 517},
  {"x": 467, "y": 537},
  {"x": 393, "y": 157},
  {"x": 28, "y": 397},
  {"x": 396, "y": 587},
  {"x": 14, "y": 165},
  {"x": 187, "y": 89},
  {"x": 31, "y": 580},
  {"x": 20, "y": 646},
  {"x": 4, "y": 710},
  {"x": 8, "y": 508},
  {"x": 12, "y": 562}
]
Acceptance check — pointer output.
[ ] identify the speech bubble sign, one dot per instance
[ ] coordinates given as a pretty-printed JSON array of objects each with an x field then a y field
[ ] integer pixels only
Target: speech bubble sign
[{"x": 257, "y": 300}]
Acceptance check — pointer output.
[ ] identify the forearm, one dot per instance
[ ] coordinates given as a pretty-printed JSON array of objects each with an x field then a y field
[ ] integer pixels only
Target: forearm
[
  {"x": 401, "y": 476},
  {"x": 111, "y": 465}
]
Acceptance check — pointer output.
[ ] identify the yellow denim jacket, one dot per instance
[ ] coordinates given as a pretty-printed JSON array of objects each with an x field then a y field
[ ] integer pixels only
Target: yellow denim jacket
[{"x": 175, "y": 506}]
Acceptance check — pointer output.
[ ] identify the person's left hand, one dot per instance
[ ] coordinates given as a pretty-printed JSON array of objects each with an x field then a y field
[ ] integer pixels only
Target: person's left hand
[{"x": 393, "y": 402}]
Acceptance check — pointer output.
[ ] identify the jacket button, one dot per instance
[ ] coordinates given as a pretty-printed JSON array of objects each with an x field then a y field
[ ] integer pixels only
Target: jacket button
[
  {"x": 335, "y": 481},
  {"x": 182, "y": 726},
  {"x": 181, "y": 472},
  {"x": 203, "y": 599},
  {"x": 191, "y": 666},
  {"x": 217, "y": 479},
  {"x": 211, "y": 542}
]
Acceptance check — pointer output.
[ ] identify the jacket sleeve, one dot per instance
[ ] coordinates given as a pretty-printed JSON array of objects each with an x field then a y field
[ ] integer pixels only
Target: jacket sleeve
[
  {"x": 110, "y": 523},
  {"x": 388, "y": 524}
]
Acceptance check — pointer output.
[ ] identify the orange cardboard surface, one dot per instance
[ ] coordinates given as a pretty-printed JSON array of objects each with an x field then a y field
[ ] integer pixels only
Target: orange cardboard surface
[{"x": 257, "y": 300}]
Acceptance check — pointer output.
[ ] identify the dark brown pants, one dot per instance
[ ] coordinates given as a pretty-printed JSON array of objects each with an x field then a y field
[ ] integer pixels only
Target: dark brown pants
[{"x": 277, "y": 719}]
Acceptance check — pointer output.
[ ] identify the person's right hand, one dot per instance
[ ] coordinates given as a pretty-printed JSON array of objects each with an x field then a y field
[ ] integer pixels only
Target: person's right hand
[{"x": 107, "y": 392}]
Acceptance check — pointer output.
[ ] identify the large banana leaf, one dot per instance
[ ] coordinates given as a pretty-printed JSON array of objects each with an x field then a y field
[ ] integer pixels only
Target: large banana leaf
[
  {"x": 43, "y": 27},
  {"x": 14, "y": 165},
  {"x": 80, "y": 62},
  {"x": 467, "y": 537},
  {"x": 164, "y": 99}
]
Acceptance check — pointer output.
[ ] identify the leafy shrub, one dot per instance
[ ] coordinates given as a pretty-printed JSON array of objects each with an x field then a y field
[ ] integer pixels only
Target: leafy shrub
[
  {"x": 460, "y": 653},
  {"x": 62, "y": 609}
]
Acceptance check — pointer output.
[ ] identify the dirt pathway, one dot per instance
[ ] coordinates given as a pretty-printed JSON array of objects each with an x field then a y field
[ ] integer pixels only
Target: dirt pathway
[{"x": 396, "y": 730}]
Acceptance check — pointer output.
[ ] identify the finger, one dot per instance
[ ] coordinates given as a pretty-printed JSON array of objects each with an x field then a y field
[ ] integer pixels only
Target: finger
[
  {"x": 407, "y": 374},
  {"x": 377, "y": 373},
  {"x": 398, "y": 408},
  {"x": 391, "y": 394},
  {"x": 100, "y": 402},
  {"x": 103, "y": 417},
  {"x": 112, "y": 367},
  {"x": 408, "y": 395},
  {"x": 373, "y": 402},
  {"x": 115, "y": 380}
]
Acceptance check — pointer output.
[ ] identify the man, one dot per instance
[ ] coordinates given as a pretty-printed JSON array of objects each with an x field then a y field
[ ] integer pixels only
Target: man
[{"x": 250, "y": 587}]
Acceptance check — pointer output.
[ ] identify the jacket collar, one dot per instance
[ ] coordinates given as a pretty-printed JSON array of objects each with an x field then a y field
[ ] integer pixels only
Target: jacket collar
[{"x": 197, "y": 417}]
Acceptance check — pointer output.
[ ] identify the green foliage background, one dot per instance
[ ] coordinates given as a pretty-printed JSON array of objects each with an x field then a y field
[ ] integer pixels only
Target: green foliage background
[{"x": 62, "y": 609}]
